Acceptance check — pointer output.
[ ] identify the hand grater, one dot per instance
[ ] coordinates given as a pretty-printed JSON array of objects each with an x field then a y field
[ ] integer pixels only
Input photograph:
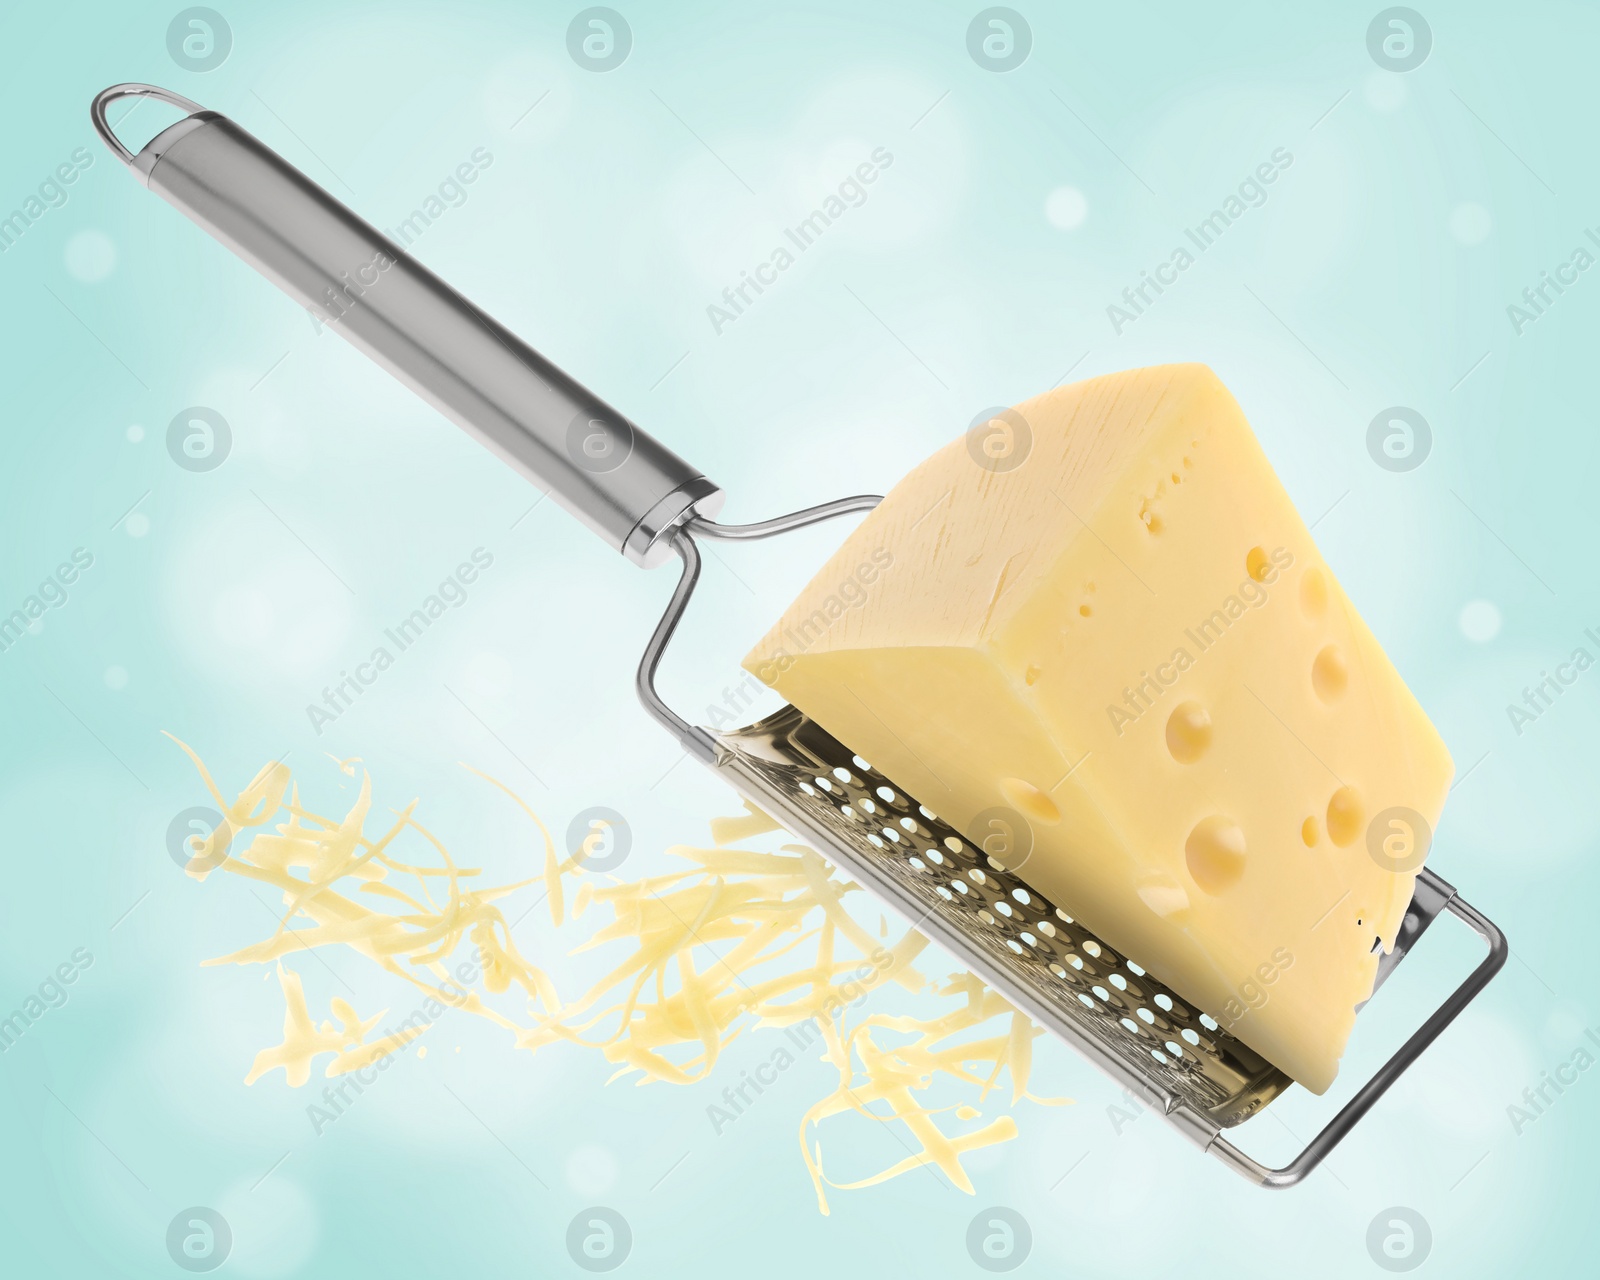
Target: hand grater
[{"x": 651, "y": 505}]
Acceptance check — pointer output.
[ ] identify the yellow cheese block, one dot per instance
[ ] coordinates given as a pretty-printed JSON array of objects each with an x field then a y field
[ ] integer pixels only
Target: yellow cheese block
[{"x": 1113, "y": 642}]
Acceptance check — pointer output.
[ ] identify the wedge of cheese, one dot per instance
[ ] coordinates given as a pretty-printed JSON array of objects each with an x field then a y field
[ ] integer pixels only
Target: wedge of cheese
[{"x": 1112, "y": 639}]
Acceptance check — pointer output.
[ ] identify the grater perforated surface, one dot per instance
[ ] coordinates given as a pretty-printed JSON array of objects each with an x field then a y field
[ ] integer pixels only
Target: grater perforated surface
[{"x": 1030, "y": 943}]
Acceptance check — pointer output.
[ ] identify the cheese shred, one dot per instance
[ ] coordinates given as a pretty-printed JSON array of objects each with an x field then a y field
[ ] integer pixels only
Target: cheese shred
[{"x": 735, "y": 941}]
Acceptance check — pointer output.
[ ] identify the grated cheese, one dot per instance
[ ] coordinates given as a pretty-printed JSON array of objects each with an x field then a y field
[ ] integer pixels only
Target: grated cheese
[{"x": 736, "y": 941}]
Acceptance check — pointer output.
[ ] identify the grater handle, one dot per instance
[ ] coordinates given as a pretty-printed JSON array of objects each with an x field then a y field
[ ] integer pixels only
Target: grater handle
[
  {"x": 1443, "y": 892},
  {"x": 623, "y": 484}
]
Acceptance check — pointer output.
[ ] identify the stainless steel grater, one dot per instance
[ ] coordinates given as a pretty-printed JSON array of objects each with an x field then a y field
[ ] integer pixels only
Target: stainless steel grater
[{"x": 650, "y": 504}]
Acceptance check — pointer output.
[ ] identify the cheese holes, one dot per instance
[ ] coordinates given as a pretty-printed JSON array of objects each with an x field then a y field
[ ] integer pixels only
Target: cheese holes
[
  {"x": 1029, "y": 801},
  {"x": 1314, "y": 593},
  {"x": 1257, "y": 563},
  {"x": 1214, "y": 854},
  {"x": 1188, "y": 732},
  {"x": 1344, "y": 817},
  {"x": 1165, "y": 896},
  {"x": 1329, "y": 673},
  {"x": 1308, "y": 832},
  {"x": 1032, "y": 674}
]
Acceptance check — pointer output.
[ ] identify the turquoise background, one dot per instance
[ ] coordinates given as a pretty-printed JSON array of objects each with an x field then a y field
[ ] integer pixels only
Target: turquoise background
[{"x": 1377, "y": 273}]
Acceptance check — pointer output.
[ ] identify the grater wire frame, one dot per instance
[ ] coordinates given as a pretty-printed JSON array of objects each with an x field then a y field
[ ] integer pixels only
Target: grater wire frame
[{"x": 724, "y": 754}]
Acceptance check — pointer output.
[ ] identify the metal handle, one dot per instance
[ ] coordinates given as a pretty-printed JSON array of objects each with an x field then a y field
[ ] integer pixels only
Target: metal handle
[{"x": 627, "y": 487}]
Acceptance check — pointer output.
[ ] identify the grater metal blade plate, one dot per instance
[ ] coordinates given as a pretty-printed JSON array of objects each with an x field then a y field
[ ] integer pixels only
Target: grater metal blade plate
[{"x": 1026, "y": 947}]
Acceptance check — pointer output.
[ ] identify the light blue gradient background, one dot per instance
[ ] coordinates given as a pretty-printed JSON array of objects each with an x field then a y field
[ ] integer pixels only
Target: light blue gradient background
[{"x": 601, "y": 232}]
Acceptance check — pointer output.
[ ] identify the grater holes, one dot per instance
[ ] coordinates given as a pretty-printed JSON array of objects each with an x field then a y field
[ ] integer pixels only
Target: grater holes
[{"x": 1048, "y": 957}]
